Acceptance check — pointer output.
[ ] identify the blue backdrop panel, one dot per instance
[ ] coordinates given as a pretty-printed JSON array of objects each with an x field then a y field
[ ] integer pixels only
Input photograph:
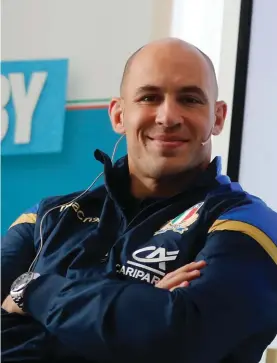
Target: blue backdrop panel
[
  {"x": 26, "y": 179},
  {"x": 48, "y": 117}
]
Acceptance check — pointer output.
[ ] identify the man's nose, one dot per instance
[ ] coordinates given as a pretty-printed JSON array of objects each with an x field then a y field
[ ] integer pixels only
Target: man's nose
[{"x": 168, "y": 114}]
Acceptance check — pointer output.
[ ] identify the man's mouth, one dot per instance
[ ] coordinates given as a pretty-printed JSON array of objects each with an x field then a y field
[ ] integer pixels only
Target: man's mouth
[{"x": 168, "y": 141}]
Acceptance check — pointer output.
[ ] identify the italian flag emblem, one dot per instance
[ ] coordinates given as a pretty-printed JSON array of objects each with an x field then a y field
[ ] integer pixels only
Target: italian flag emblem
[{"x": 184, "y": 220}]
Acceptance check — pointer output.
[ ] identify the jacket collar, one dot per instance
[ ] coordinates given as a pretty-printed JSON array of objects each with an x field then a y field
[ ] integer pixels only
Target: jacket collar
[{"x": 117, "y": 180}]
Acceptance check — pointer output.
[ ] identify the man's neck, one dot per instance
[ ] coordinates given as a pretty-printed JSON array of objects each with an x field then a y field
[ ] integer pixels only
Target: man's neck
[{"x": 145, "y": 187}]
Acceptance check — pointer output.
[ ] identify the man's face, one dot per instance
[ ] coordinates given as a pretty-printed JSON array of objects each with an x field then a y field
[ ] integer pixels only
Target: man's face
[{"x": 168, "y": 108}]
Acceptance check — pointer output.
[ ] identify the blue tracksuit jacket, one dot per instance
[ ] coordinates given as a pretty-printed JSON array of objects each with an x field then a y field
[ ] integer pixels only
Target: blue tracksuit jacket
[{"x": 102, "y": 255}]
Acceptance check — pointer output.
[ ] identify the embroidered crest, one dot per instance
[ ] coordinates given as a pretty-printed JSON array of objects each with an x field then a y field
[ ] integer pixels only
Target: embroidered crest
[{"x": 183, "y": 221}]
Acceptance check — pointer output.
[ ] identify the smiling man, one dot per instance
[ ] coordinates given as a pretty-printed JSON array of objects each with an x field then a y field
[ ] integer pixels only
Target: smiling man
[
  {"x": 168, "y": 108},
  {"x": 177, "y": 263}
]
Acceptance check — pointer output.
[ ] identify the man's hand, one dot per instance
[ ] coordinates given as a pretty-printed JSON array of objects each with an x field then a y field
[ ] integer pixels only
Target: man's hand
[
  {"x": 181, "y": 276},
  {"x": 178, "y": 278},
  {"x": 10, "y": 306}
]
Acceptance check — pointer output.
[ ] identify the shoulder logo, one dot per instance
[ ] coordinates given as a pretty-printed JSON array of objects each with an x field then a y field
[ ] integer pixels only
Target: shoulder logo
[
  {"x": 79, "y": 212},
  {"x": 183, "y": 221}
]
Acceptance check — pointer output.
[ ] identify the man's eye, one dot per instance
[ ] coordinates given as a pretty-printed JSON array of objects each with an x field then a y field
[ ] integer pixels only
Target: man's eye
[
  {"x": 190, "y": 100},
  {"x": 150, "y": 98}
]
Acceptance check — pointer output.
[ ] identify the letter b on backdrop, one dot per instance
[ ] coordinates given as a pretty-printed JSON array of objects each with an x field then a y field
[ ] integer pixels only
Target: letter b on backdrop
[{"x": 33, "y": 96}]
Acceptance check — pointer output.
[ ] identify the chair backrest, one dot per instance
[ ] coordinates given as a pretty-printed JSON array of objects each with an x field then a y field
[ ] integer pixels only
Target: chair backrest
[{"x": 271, "y": 355}]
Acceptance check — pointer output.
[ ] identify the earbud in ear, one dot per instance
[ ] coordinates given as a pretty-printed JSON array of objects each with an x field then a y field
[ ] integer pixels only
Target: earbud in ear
[
  {"x": 122, "y": 118},
  {"x": 122, "y": 124}
]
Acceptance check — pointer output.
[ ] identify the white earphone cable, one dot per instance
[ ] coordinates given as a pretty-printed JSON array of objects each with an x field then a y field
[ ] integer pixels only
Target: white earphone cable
[{"x": 71, "y": 201}]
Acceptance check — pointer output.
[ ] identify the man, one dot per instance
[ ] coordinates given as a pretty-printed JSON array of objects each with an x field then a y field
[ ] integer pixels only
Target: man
[{"x": 109, "y": 282}]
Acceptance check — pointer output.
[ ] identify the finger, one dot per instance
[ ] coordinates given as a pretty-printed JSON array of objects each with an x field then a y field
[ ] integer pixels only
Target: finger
[
  {"x": 184, "y": 276},
  {"x": 183, "y": 284},
  {"x": 177, "y": 279},
  {"x": 189, "y": 267}
]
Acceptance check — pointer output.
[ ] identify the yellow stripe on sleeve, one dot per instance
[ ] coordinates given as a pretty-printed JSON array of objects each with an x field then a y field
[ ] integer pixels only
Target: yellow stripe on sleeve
[
  {"x": 259, "y": 236},
  {"x": 25, "y": 218}
]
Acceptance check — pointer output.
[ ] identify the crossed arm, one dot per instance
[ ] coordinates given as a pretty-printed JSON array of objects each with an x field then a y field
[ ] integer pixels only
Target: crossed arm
[{"x": 204, "y": 321}]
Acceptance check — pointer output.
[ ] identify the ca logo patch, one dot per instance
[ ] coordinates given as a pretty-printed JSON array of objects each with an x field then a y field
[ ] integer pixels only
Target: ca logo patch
[
  {"x": 183, "y": 221},
  {"x": 150, "y": 264},
  {"x": 159, "y": 254}
]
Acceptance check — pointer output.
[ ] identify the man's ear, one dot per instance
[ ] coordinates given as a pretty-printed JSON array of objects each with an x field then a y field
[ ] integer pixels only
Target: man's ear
[
  {"x": 116, "y": 115},
  {"x": 220, "y": 116}
]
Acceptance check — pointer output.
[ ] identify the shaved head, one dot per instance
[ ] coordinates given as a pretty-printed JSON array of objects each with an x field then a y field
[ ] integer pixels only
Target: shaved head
[
  {"x": 168, "y": 111},
  {"x": 164, "y": 43}
]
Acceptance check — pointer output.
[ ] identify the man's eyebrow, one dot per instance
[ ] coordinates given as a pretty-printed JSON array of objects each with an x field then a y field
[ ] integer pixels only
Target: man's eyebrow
[
  {"x": 148, "y": 88},
  {"x": 195, "y": 90}
]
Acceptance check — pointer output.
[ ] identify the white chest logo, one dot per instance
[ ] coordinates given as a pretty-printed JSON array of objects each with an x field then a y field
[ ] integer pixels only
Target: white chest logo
[
  {"x": 183, "y": 221},
  {"x": 144, "y": 265},
  {"x": 158, "y": 255}
]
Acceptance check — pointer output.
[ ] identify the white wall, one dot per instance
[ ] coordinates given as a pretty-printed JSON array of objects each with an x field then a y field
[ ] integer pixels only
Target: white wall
[
  {"x": 258, "y": 166},
  {"x": 200, "y": 22},
  {"x": 212, "y": 25},
  {"x": 96, "y": 35}
]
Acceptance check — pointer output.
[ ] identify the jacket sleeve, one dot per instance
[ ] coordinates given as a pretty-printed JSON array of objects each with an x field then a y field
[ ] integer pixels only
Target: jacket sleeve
[
  {"x": 17, "y": 249},
  {"x": 131, "y": 322}
]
